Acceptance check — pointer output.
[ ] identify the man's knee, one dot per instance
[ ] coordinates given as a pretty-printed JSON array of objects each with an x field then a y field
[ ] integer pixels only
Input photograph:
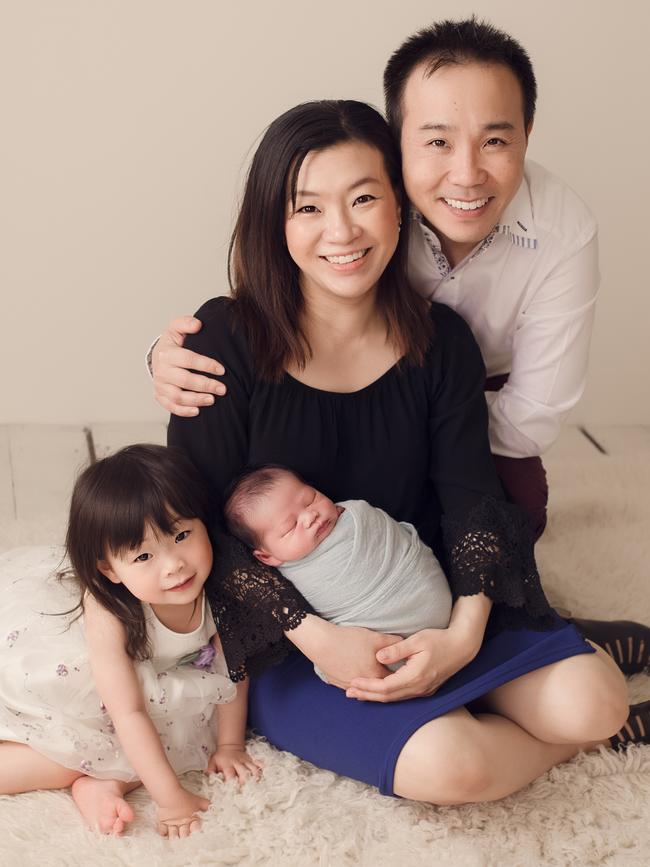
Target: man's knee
[{"x": 524, "y": 484}]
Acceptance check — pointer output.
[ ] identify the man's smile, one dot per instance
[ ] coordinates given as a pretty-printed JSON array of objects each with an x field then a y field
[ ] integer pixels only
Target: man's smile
[{"x": 466, "y": 205}]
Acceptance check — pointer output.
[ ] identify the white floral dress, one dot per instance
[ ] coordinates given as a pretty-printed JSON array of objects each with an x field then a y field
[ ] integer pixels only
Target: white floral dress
[{"x": 47, "y": 696}]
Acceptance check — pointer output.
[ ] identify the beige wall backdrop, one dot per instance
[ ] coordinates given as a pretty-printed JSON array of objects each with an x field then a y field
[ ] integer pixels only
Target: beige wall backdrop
[{"x": 127, "y": 124}]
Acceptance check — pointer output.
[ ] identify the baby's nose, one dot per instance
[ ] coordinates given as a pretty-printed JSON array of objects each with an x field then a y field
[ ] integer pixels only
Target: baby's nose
[{"x": 308, "y": 518}]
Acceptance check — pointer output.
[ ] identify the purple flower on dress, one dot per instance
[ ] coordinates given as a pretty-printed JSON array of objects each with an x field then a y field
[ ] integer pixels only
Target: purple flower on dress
[
  {"x": 11, "y": 638},
  {"x": 86, "y": 766},
  {"x": 61, "y": 670},
  {"x": 205, "y": 656}
]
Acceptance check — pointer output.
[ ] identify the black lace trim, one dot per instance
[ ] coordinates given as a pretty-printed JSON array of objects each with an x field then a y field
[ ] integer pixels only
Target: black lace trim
[
  {"x": 490, "y": 550},
  {"x": 252, "y": 605}
]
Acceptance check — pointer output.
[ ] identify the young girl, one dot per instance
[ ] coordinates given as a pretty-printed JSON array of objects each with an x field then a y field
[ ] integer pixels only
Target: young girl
[{"x": 109, "y": 674}]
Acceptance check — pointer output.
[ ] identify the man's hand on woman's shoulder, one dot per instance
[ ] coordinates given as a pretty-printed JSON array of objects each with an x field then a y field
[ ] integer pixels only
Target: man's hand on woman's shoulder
[{"x": 179, "y": 386}]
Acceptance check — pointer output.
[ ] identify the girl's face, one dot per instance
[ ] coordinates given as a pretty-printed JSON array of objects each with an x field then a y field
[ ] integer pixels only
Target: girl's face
[
  {"x": 164, "y": 569},
  {"x": 345, "y": 224}
]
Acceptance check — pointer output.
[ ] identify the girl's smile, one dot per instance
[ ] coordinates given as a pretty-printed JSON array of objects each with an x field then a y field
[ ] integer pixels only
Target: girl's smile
[{"x": 183, "y": 584}]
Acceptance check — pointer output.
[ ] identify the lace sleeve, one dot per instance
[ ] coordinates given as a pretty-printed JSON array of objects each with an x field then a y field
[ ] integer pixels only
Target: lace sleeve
[
  {"x": 490, "y": 550},
  {"x": 252, "y": 605}
]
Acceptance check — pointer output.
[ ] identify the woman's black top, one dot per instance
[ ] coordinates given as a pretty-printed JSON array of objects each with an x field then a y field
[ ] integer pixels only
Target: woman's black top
[{"x": 414, "y": 442}]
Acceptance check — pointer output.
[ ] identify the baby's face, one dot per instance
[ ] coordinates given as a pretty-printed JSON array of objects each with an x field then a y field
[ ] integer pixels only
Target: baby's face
[{"x": 291, "y": 520}]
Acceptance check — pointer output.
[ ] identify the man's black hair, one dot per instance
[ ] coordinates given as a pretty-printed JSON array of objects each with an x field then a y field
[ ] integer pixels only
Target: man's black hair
[{"x": 448, "y": 42}]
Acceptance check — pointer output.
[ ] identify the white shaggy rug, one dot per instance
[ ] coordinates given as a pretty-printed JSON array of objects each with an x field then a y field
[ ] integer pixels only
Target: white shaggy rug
[{"x": 594, "y": 810}]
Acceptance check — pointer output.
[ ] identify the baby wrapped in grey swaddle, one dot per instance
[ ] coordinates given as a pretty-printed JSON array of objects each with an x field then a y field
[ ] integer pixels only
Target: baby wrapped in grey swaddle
[{"x": 375, "y": 572}]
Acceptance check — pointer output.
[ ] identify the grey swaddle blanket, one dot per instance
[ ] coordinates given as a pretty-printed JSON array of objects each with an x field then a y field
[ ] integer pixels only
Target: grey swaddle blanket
[{"x": 375, "y": 572}]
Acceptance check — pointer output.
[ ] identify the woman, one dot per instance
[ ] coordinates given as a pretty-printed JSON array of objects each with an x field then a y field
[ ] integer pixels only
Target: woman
[{"x": 334, "y": 369}]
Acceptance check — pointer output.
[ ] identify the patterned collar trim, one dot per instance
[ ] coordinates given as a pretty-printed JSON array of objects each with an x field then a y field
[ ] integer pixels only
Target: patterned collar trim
[
  {"x": 517, "y": 220},
  {"x": 433, "y": 243}
]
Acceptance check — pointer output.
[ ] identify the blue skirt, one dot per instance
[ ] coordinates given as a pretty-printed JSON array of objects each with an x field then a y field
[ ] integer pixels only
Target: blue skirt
[{"x": 297, "y": 712}]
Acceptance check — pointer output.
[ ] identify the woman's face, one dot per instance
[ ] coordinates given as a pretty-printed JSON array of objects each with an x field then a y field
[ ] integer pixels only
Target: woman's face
[{"x": 345, "y": 224}]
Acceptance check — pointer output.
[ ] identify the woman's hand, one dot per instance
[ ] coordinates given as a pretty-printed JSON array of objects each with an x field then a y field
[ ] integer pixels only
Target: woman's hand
[
  {"x": 234, "y": 763},
  {"x": 177, "y": 817},
  {"x": 341, "y": 652},
  {"x": 176, "y": 388},
  {"x": 432, "y": 655}
]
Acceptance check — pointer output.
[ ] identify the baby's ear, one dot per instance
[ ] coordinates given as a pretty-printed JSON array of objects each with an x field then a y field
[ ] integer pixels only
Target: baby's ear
[
  {"x": 104, "y": 567},
  {"x": 266, "y": 558}
]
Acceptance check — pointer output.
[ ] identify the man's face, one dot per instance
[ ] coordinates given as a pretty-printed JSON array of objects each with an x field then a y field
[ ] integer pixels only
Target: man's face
[{"x": 463, "y": 148}]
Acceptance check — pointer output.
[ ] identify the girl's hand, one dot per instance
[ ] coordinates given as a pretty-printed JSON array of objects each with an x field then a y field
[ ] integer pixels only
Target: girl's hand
[
  {"x": 234, "y": 763},
  {"x": 432, "y": 657},
  {"x": 178, "y": 818}
]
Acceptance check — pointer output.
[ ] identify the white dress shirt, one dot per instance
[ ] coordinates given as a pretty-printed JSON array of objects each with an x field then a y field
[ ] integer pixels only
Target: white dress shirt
[{"x": 528, "y": 293}]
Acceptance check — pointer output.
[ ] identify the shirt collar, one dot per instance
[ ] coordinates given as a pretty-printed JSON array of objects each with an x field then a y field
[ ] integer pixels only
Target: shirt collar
[
  {"x": 517, "y": 219},
  {"x": 516, "y": 222}
]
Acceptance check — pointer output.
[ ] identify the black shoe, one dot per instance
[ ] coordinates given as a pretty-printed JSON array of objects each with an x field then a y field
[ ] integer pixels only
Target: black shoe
[
  {"x": 637, "y": 728},
  {"x": 627, "y": 642}
]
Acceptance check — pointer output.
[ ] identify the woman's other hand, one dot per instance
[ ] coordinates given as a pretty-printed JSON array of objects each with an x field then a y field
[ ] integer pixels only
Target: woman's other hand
[
  {"x": 341, "y": 652},
  {"x": 177, "y": 388}
]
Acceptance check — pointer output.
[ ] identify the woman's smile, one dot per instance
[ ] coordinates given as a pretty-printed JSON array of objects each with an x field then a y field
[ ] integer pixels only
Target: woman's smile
[{"x": 344, "y": 261}]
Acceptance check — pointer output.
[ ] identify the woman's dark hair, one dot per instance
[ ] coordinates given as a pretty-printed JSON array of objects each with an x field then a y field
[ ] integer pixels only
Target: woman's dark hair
[
  {"x": 113, "y": 503},
  {"x": 263, "y": 277},
  {"x": 448, "y": 42}
]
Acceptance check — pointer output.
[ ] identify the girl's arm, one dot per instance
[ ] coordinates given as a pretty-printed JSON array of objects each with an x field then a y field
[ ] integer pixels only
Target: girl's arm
[
  {"x": 118, "y": 686},
  {"x": 230, "y": 757}
]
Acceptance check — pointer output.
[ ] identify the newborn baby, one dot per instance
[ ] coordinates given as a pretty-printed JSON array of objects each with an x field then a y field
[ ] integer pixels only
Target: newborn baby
[{"x": 353, "y": 563}]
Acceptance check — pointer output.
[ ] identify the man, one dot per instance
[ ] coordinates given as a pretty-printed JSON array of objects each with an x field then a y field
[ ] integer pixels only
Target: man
[
  {"x": 499, "y": 239},
  {"x": 502, "y": 241}
]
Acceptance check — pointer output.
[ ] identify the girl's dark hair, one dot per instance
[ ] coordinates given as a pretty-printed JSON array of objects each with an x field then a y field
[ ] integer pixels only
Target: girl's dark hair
[
  {"x": 112, "y": 504},
  {"x": 452, "y": 42},
  {"x": 265, "y": 280}
]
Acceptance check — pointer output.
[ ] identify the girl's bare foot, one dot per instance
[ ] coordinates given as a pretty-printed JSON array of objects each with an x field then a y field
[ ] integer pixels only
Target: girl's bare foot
[{"x": 102, "y": 804}]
